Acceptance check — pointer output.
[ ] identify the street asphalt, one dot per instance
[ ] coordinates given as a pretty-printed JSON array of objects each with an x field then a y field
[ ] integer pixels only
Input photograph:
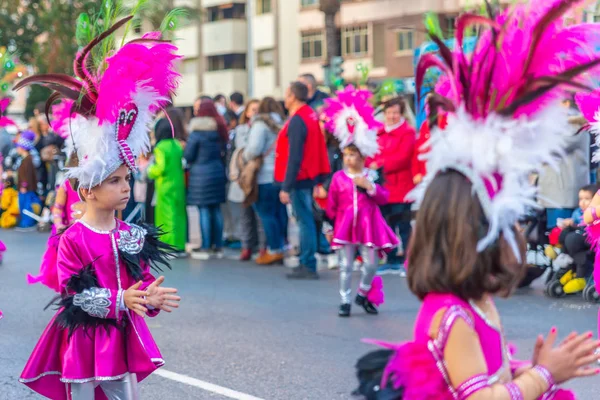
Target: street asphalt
[{"x": 248, "y": 329}]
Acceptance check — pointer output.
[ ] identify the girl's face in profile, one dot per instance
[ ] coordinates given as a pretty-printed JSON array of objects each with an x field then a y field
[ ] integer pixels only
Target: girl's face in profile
[
  {"x": 353, "y": 159},
  {"x": 113, "y": 193}
]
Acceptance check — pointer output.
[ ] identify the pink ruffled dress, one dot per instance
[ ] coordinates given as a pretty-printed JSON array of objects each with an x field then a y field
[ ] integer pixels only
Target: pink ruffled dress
[
  {"x": 48, "y": 274},
  {"x": 418, "y": 366},
  {"x": 91, "y": 338},
  {"x": 358, "y": 219},
  {"x": 593, "y": 237}
]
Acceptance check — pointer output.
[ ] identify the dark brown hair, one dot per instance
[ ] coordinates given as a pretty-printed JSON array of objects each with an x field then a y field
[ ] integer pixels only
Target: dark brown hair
[
  {"x": 396, "y": 101},
  {"x": 270, "y": 105},
  {"x": 443, "y": 255},
  {"x": 352, "y": 147}
]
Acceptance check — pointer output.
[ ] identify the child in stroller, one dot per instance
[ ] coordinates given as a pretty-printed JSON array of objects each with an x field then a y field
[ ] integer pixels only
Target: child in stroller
[{"x": 576, "y": 261}]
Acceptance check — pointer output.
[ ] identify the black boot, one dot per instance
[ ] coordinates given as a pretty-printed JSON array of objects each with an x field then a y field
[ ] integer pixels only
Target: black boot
[
  {"x": 366, "y": 304},
  {"x": 344, "y": 310}
]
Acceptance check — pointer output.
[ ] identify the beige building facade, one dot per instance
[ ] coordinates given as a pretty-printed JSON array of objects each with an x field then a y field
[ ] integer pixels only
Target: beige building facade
[{"x": 287, "y": 38}]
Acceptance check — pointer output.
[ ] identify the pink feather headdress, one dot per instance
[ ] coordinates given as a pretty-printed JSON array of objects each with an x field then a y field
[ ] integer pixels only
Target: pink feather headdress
[
  {"x": 5, "y": 121},
  {"x": 504, "y": 117},
  {"x": 114, "y": 107},
  {"x": 351, "y": 119}
]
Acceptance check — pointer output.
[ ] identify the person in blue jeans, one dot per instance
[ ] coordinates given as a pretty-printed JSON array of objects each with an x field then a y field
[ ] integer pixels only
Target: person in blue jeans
[
  {"x": 301, "y": 162},
  {"x": 264, "y": 127},
  {"x": 206, "y": 188}
]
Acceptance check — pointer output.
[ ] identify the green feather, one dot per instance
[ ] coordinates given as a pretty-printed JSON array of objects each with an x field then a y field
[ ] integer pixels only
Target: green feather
[
  {"x": 173, "y": 19},
  {"x": 432, "y": 24}
]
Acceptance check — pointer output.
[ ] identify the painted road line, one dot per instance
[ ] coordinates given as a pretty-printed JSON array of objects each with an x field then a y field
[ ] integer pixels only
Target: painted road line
[{"x": 207, "y": 386}]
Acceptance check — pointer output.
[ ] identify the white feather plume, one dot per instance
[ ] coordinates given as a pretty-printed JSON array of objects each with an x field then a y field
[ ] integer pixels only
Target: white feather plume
[
  {"x": 97, "y": 147},
  {"x": 511, "y": 148},
  {"x": 363, "y": 138}
]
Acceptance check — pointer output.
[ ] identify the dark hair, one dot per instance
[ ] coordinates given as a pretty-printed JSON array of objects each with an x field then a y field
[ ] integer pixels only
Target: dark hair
[
  {"x": 443, "y": 256},
  {"x": 207, "y": 109},
  {"x": 237, "y": 98},
  {"x": 230, "y": 117},
  {"x": 9, "y": 182},
  {"x": 270, "y": 105},
  {"x": 590, "y": 189},
  {"x": 203, "y": 97},
  {"x": 396, "y": 101},
  {"x": 352, "y": 147},
  {"x": 218, "y": 98},
  {"x": 300, "y": 91},
  {"x": 163, "y": 129}
]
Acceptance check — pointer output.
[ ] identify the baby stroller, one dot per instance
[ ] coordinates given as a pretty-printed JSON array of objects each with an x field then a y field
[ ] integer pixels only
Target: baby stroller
[{"x": 536, "y": 236}]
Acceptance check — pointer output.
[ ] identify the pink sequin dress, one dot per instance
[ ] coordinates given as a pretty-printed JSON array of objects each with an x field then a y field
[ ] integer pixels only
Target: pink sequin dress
[
  {"x": 93, "y": 337},
  {"x": 358, "y": 219},
  {"x": 418, "y": 366}
]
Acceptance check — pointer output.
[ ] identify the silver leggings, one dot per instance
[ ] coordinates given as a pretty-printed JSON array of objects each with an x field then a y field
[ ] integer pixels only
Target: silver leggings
[
  {"x": 367, "y": 272},
  {"x": 123, "y": 389}
]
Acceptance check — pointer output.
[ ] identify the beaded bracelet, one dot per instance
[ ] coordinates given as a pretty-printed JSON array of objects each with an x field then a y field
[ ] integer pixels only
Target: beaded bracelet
[
  {"x": 514, "y": 391},
  {"x": 546, "y": 376}
]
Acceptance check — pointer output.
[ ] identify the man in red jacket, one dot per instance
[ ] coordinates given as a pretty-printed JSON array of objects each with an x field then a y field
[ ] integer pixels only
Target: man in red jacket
[
  {"x": 396, "y": 149},
  {"x": 301, "y": 162}
]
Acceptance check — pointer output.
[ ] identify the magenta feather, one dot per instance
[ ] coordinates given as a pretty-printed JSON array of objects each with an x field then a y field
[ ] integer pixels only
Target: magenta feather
[
  {"x": 515, "y": 59},
  {"x": 61, "y": 116},
  {"x": 135, "y": 66}
]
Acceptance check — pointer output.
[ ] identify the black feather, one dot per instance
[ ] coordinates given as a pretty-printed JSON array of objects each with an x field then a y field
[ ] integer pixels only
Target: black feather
[
  {"x": 155, "y": 253},
  {"x": 369, "y": 371},
  {"x": 72, "y": 317}
]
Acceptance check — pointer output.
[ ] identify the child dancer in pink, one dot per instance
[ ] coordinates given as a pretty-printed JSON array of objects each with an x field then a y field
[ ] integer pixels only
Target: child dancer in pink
[
  {"x": 354, "y": 198},
  {"x": 98, "y": 345},
  {"x": 467, "y": 246}
]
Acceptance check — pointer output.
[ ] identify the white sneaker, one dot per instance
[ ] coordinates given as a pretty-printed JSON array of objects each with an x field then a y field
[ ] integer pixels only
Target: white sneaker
[
  {"x": 200, "y": 254},
  {"x": 333, "y": 261},
  {"x": 218, "y": 254}
]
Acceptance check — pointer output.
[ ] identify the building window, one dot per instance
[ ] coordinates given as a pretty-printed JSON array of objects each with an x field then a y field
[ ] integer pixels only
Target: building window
[
  {"x": 405, "y": 40},
  {"x": 263, "y": 6},
  {"x": 312, "y": 45},
  {"x": 450, "y": 26},
  {"x": 308, "y": 3},
  {"x": 226, "y": 61},
  {"x": 225, "y": 11},
  {"x": 265, "y": 58},
  {"x": 355, "y": 40}
]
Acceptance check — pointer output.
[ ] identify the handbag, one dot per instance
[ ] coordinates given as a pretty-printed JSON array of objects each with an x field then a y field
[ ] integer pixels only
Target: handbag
[{"x": 248, "y": 174}]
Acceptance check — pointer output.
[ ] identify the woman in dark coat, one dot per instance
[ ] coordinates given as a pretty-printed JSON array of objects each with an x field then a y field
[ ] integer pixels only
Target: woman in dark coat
[{"x": 206, "y": 189}]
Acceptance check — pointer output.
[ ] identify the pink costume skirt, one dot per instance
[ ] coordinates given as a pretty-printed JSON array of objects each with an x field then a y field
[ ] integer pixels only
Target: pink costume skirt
[
  {"x": 98, "y": 354},
  {"x": 367, "y": 228}
]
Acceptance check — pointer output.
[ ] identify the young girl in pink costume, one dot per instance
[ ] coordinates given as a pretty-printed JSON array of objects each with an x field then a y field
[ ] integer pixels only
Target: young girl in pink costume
[
  {"x": 467, "y": 246},
  {"x": 98, "y": 345},
  {"x": 354, "y": 198}
]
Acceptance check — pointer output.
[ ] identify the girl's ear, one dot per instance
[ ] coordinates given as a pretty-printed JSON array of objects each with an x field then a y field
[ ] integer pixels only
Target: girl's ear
[{"x": 87, "y": 194}]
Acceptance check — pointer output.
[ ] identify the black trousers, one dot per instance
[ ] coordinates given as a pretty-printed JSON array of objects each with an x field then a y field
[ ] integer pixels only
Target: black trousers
[{"x": 575, "y": 245}]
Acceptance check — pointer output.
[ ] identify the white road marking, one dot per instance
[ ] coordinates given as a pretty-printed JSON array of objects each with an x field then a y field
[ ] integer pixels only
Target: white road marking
[{"x": 207, "y": 386}]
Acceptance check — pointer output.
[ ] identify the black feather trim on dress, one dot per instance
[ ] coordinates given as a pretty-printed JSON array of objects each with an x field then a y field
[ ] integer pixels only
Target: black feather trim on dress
[
  {"x": 369, "y": 371},
  {"x": 155, "y": 253},
  {"x": 72, "y": 317}
]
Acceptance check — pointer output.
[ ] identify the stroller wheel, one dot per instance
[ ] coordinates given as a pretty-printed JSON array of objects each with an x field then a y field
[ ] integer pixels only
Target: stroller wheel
[
  {"x": 555, "y": 289},
  {"x": 591, "y": 294}
]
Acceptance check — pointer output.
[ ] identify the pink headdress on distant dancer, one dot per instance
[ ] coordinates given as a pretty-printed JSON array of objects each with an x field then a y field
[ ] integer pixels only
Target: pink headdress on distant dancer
[
  {"x": 5, "y": 121},
  {"x": 351, "y": 119},
  {"x": 116, "y": 106},
  {"x": 62, "y": 112},
  {"x": 504, "y": 117}
]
